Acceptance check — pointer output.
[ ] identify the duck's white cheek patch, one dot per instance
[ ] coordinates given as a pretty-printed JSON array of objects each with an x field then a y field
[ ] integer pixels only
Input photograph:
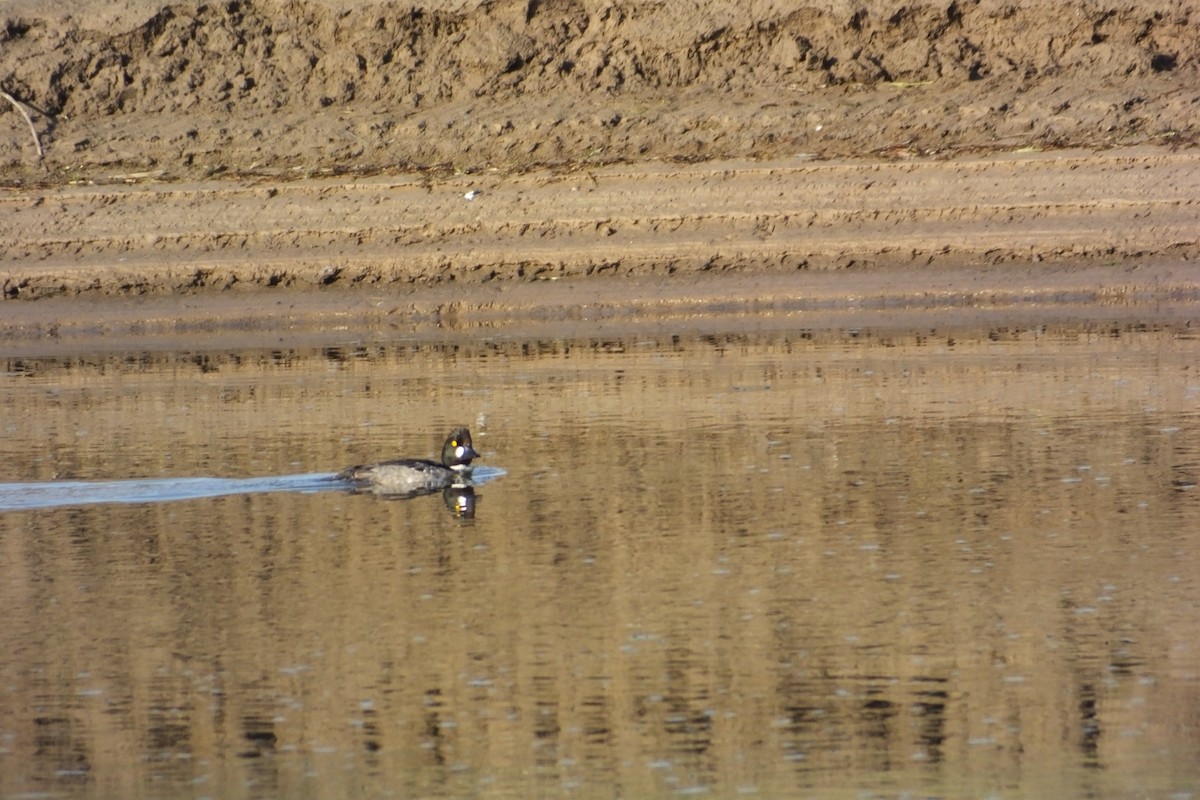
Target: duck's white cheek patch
[{"x": 458, "y": 451}]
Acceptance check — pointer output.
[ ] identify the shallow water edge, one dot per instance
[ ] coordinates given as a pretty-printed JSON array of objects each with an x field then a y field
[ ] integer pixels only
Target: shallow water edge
[{"x": 889, "y": 300}]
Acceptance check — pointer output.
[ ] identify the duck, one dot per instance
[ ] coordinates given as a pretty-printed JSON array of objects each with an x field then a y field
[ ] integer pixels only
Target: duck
[{"x": 415, "y": 476}]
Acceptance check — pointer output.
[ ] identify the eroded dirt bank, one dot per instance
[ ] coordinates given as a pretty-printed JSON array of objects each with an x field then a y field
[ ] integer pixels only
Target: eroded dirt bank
[
  {"x": 186, "y": 88},
  {"x": 434, "y": 153}
]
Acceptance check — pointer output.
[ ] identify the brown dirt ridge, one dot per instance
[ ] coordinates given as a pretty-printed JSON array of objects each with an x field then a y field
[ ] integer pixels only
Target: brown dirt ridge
[{"x": 191, "y": 89}]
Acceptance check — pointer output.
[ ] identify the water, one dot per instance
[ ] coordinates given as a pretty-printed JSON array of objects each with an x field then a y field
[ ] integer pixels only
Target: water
[{"x": 777, "y": 565}]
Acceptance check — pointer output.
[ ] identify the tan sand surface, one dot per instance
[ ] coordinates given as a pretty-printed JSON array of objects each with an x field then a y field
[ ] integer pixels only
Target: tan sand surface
[{"x": 488, "y": 163}]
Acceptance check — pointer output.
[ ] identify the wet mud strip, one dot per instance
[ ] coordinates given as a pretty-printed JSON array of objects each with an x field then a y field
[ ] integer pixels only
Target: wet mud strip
[{"x": 953, "y": 302}]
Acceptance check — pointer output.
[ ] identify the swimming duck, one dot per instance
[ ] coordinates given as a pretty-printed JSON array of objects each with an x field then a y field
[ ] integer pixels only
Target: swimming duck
[{"x": 417, "y": 475}]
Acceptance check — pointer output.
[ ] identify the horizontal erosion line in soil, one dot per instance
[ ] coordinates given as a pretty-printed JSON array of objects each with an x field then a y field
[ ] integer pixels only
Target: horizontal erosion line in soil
[
  {"x": 271, "y": 275},
  {"x": 1020, "y": 168},
  {"x": 1166, "y": 222},
  {"x": 508, "y": 205}
]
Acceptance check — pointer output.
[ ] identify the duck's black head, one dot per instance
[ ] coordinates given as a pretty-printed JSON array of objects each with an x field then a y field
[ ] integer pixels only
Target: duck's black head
[{"x": 457, "y": 451}]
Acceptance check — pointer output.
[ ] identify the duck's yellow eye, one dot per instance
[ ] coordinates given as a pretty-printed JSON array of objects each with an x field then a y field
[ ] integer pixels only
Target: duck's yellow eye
[{"x": 454, "y": 443}]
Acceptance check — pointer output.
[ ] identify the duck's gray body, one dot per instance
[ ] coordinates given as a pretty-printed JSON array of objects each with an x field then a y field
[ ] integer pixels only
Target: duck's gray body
[
  {"x": 405, "y": 476},
  {"x": 417, "y": 475}
]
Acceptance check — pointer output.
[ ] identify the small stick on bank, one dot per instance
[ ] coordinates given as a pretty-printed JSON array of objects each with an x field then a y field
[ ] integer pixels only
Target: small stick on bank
[{"x": 28, "y": 121}]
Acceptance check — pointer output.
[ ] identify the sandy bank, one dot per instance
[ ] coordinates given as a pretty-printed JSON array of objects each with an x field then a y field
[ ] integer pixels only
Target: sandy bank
[
  {"x": 588, "y": 247},
  {"x": 370, "y": 166},
  {"x": 188, "y": 89},
  {"x": 779, "y": 216}
]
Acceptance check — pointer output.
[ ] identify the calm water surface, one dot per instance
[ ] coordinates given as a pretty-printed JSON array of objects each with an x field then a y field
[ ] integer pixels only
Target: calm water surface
[{"x": 779, "y": 565}]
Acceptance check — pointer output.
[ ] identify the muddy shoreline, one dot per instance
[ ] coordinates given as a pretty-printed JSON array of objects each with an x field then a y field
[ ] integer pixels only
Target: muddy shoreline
[
  {"x": 1115, "y": 229},
  {"x": 1004, "y": 240},
  {"x": 939, "y": 302},
  {"x": 267, "y": 169}
]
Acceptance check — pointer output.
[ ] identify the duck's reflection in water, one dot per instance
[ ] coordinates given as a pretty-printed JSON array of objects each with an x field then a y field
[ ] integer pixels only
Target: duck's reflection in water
[{"x": 460, "y": 499}]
